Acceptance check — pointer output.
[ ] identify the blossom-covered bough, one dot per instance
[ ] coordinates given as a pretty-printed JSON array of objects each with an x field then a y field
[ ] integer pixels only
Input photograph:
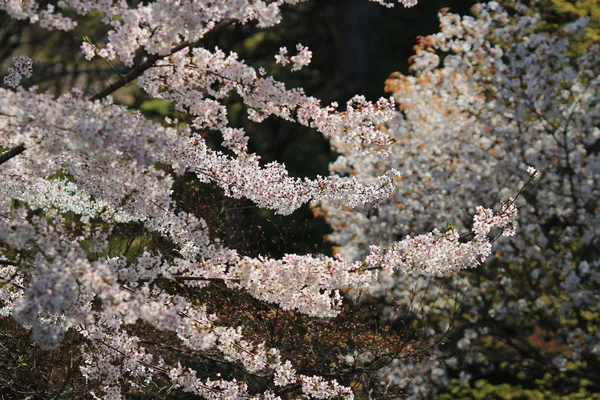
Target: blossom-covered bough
[
  {"x": 490, "y": 95},
  {"x": 74, "y": 169}
]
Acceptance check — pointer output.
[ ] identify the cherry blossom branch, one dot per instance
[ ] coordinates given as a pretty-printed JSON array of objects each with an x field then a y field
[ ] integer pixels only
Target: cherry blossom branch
[{"x": 149, "y": 63}]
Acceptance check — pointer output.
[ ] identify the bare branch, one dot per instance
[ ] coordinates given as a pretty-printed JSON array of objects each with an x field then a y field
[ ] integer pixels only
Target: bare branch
[{"x": 15, "y": 151}]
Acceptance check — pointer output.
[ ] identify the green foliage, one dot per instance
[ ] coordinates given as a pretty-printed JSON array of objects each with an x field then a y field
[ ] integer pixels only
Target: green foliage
[
  {"x": 556, "y": 13},
  {"x": 484, "y": 390},
  {"x": 156, "y": 108}
]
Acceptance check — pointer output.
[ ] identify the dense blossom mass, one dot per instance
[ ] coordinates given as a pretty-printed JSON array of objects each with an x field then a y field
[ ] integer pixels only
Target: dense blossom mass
[
  {"x": 74, "y": 170},
  {"x": 492, "y": 98}
]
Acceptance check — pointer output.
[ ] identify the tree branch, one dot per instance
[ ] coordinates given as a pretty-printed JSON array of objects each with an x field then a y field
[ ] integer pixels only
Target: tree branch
[
  {"x": 15, "y": 151},
  {"x": 131, "y": 75}
]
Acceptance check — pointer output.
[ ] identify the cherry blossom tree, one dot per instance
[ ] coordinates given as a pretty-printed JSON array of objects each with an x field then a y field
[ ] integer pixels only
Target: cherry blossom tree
[
  {"x": 491, "y": 96},
  {"x": 78, "y": 172}
]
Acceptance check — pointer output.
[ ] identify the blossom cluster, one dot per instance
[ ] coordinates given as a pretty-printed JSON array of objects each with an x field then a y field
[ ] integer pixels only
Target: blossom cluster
[
  {"x": 22, "y": 68},
  {"x": 299, "y": 61},
  {"x": 87, "y": 167}
]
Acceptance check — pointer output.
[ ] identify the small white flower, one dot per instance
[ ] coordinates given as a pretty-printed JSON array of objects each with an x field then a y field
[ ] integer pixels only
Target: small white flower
[{"x": 531, "y": 171}]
